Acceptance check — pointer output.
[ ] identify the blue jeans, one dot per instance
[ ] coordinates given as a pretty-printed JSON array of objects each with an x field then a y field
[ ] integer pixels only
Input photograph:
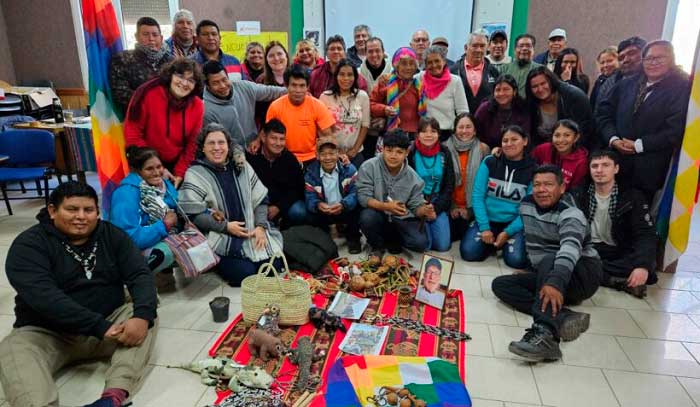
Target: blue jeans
[
  {"x": 439, "y": 233},
  {"x": 380, "y": 232},
  {"x": 472, "y": 248},
  {"x": 297, "y": 215},
  {"x": 235, "y": 269}
]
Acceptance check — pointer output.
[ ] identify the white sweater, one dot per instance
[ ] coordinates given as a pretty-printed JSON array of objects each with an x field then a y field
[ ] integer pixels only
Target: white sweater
[{"x": 451, "y": 102}]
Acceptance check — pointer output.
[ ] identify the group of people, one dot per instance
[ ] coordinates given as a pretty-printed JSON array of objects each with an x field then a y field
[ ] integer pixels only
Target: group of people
[{"x": 414, "y": 151}]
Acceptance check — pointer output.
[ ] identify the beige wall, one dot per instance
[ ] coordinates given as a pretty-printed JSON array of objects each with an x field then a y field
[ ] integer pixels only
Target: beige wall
[
  {"x": 7, "y": 69},
  {"x": 42, "y": 41},
  {"x": 594, "y": 24},
  {"x": 273, "y": 14}
]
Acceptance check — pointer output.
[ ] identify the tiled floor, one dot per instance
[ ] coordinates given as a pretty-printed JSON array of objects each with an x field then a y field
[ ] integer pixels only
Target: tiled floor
[{"x": 636, "y": 353}]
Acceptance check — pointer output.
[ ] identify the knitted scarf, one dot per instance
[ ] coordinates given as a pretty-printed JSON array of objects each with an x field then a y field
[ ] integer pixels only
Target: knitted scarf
[
  {"x": 433, "y": 86},
  {"x": 153, "y": 57},
  {"x": 593, "y": 203},
  {"x": 473, "y": 147},
  {"x": 153, "y": 202},
  {"x": 393, "y": 97},
  {"x": 426, "y": 151}
]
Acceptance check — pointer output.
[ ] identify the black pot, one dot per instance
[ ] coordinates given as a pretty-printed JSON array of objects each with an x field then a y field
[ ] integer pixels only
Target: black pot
[{"x": 219, "y": 308}]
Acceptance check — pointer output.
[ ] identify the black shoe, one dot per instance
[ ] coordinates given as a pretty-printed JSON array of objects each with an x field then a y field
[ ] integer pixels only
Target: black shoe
[
  {"x": 620, "y": 284},
  {"x": 354, "y": 246},
  {"x": 538, "y": 345},
  {"x": 573, "y": 325},
  {"x": 639, "y": 291},
  {"x": 394, "y": 247}
]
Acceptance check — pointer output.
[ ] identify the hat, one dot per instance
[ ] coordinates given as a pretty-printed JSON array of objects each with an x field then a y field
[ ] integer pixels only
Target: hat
[
  {"x": 183, "y": 13},
  {"x": 441, "y": 41},
  {"x": 326, "y": 140},
  {"x": 498, "y": 33},
  {"x": 557, "y": 32},
  {"x": 403, "y": 52}
]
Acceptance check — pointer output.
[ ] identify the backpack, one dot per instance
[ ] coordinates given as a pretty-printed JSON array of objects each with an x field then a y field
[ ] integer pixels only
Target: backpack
[{"x": 308, "y": 248}]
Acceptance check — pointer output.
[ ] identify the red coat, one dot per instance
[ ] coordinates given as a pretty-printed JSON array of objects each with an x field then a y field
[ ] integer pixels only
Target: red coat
[
  {"x": 574, "y": 166},
  {"x": 176, "y": 146}
]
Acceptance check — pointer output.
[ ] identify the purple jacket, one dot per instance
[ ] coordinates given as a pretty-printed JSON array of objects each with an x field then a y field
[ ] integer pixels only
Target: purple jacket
[{"x": 490, "y": 121}]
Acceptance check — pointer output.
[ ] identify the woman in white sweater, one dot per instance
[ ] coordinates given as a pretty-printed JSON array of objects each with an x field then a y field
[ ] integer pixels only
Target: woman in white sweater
[{"x": 444, "y": 91}]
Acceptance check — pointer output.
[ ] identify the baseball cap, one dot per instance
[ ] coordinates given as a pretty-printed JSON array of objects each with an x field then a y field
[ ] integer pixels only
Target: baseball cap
[
  {"x": 557, "y": 32},
  {"x": 441, "y": 41},
  {"x": 326, "y": 140},
  {"x": 498, "y": 33}
]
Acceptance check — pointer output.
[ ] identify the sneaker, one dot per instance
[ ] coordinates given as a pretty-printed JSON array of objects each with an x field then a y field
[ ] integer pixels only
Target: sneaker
[
  {"x": 573, "y": 325},
  {"x": 620, "y": 284},
  {"x": 538, "y": 345},
  {"x": 354, "y": 246}
]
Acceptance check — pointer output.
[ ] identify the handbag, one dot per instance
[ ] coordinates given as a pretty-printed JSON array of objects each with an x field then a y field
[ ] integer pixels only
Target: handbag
[
  {"x": 191, "y": 249},
  {"x": 291, "y": 294}
]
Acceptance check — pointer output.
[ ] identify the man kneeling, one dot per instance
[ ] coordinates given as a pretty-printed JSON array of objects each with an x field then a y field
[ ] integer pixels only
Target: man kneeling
[
  {"x": 621, "y": 227},
  {"x": 566, "y": 268},
  {"x": 69, "y": 272}
]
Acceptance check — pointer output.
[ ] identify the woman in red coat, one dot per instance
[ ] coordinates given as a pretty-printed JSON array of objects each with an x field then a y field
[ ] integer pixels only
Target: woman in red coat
[
  {"x": 166, "y": 114},
  {"x": 566, "y": 152}
]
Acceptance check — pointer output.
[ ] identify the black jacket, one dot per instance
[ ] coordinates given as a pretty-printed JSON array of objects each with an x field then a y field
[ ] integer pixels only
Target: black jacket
[
  {"x": 353, "y": 57},
  {"x": 659, "y": 122},
  {"x": 443, "y": 201},
  {"x": 53, "y": 291},
  {"x": 488, "y": 77},
  {"x": 283, "y": 178},
  {"x": 572, "y": 104},
  {"x": 632, "y": 227}
]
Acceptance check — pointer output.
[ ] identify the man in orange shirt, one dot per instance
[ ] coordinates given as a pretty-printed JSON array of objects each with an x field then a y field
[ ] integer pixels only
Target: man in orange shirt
[{"x": 303, "y": 115}]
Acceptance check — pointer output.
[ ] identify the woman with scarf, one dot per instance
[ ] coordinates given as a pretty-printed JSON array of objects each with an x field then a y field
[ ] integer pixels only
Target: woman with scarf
[
  {"x": 500, "y": 184},
  {"x": 166, "y": 114},
  {"x": 226, "y": 201},
  {"x": 466, "y": 152},
  {"x": 254, "y": 62},
  {"x": 306, "y": 56},
  {"x": 145, "y": 207},
  {"x": 399, "y": 100},
  {"x": 504, "y": 108},
  {"x": 444, "y": 92},
  {"x": 433, "y": 163}
]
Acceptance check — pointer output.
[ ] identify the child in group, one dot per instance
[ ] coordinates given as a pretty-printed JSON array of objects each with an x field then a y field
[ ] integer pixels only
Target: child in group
[
  {"x": 565, "y": 152},
  {"x": 500, "y": 184},
  {"x": 331, "y": 193},
  {"x": 433, "y": 163},
  {"x": 391, "y": 194}
]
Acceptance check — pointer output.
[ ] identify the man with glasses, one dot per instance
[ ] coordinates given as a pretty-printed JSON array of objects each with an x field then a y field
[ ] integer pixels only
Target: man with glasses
[
  {"x": 629, "y": 54},
  {"x": 429, "y": 291},
  {"x": 644, "y": 120},
  {"x": 523, "y": 64},
  {"x": 420, "y": 40}
]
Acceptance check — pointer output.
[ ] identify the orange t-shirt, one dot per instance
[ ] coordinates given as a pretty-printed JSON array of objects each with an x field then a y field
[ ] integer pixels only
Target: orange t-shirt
[
  {"x": 459, "y": 196},
  {"x": 302, "y": 123}
]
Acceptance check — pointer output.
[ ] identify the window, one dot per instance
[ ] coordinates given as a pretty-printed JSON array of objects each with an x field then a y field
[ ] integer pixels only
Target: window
[
  {"x": 685, "y": 25},
  {"x": 132, "y": 10}
]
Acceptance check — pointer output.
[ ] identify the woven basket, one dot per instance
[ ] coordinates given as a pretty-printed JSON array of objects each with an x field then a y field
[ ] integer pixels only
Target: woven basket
[{"x": 291, "y": 294}]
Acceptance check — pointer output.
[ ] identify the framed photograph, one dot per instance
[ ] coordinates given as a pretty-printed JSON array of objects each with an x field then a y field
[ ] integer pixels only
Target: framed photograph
[{"x": 434, "y": 280}]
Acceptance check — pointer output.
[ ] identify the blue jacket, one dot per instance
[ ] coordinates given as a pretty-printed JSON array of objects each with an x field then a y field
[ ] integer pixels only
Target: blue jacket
[
  {"x": 313, "y": 189},
  {"x": 232, "y": 65},
  {"x": 499, "y": 186},
  {"x": 126, "y": 212}
]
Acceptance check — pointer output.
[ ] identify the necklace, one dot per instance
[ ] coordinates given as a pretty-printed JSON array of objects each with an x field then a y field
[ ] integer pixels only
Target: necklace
[{"x": 87, "y": 259}]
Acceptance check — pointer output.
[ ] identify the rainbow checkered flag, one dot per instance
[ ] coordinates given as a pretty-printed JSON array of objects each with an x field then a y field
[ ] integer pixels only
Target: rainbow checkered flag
[
  {"x": 352, "y": 379},
  {"x": 102, "y": 40},
  {"x": 680, "y": 195}
]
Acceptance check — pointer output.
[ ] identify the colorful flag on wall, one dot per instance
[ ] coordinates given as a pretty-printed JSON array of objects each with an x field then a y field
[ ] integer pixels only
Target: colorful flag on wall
[
  {"x": 102, "y": 40},
  {"x": 685, "y": 171}
]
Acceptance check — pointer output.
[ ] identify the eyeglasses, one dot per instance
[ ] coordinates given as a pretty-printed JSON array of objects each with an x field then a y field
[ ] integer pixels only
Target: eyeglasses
[
  {"x": 654, "y": 60},
  {"x": 181, "y": 77}
]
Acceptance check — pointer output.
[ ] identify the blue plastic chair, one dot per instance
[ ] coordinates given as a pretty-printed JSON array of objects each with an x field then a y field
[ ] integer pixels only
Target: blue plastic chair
[{"x": 31, "y": 152}]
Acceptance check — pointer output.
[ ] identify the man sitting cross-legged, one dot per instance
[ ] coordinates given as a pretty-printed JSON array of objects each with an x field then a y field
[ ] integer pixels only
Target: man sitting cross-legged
[
  {"x": 565, "y": 268},
  {"x": 69, "y": 272},
  {"x": 331, "y": 194},
  {"x": 621, "y": 227}
]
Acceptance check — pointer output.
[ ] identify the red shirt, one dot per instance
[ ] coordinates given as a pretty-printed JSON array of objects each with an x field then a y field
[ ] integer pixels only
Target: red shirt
[
  {"x": 162, "y": 128},
  {"x": 474, "y": 75}
]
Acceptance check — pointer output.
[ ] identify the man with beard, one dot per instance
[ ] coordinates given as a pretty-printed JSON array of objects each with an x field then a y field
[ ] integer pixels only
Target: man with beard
[
  {"x": 476, "y": 72},
  {"x": 498, "y": 46},
  {"x": 523, "y": 64},
  {"x": 182, "y": 43},
  {"x": 629, "y": 54},
  {"x": 130, "y": 69}
]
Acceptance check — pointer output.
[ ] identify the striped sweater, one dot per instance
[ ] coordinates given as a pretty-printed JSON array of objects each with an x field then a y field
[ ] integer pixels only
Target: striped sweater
[{"x": 561, "y": 231}]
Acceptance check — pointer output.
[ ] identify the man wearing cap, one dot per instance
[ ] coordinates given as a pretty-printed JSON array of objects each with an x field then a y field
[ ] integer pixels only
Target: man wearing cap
[
  {"x": 420, "y": 40},
  {"x": 476, "y": 72},
  {"x": 209, "y": 44},
  {"x": 442, "y": 42},
  {"x": 629, "y": 53},
  {"x": 557, "y": 42},
  {"x": 521, "y": 66},
  {"x": 498, "y": 49},
  {"x": 182, "y": 43}
]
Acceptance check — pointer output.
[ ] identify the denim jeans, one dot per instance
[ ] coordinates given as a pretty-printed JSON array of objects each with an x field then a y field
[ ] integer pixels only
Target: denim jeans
[
  {"x": 297, "y": 215},
  {"x": 380, "y": 231},
  {"x": 439, "y": 233},
  {"x": 472, "y": 248}
]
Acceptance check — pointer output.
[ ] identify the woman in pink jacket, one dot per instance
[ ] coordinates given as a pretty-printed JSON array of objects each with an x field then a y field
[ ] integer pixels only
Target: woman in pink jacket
[{"x": 566, "y": 152}]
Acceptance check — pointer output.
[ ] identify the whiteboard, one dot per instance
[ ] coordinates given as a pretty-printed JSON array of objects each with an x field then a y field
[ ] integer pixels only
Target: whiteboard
[{"x": 394, "y": 21}]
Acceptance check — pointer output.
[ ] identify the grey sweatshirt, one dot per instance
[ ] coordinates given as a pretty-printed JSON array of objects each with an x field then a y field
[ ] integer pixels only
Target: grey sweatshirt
[
  {"x": 375, "y": 181},
  {"x": 237, "y": 113}
]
